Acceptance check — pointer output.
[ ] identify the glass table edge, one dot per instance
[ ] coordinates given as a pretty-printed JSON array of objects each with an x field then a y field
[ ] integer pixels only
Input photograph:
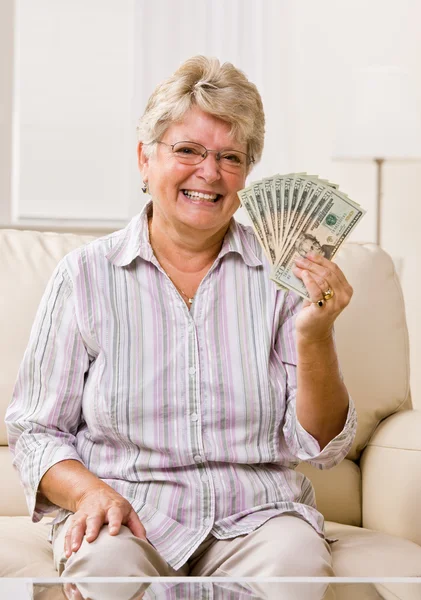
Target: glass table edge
[{"x": 58, "y": 580}]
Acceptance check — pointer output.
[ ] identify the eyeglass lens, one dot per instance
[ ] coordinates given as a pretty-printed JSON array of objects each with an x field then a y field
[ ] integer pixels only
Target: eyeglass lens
[{"x": 193, "y": 153}]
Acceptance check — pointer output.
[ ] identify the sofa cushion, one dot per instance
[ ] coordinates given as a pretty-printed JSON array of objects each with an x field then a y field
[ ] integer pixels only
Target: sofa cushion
[
  {"x": 338, "y": 491},
  {"x": 357, "y": 553},
  {"x": 372, "y": 338},
  {"x": 24, "y": 548},
  {"x": 12, "y": 502},
  {"x": 27, "y": 261},
  {"x": 367, "y": 553}
]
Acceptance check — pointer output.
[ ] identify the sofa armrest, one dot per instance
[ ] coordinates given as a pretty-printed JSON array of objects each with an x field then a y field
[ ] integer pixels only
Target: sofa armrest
[{"x": 391, "y": 477}]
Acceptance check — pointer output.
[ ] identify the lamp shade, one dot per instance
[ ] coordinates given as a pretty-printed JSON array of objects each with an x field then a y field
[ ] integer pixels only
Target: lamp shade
[{"x": 380, "y": 117}]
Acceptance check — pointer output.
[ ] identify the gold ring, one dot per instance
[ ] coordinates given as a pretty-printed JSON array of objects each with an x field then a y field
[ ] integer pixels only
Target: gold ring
[
  {"x": 320, "y": 303},
  {"x": 328, "y": 294}
]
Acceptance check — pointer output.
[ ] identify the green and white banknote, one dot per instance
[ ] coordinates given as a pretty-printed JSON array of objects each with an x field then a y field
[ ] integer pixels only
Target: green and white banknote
[{"x": 297, "y": 213}]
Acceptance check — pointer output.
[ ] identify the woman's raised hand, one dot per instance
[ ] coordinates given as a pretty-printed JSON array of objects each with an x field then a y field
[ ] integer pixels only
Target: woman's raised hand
[
  {"x": 320, "y": 275},
  {"x": 98, "y": 506}
]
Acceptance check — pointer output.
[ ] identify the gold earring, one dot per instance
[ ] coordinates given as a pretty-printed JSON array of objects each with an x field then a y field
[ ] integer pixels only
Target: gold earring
[{"x": 145, "y": 187}]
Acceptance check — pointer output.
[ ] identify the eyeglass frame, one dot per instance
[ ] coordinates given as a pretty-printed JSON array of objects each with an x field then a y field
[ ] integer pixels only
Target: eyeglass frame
[{"x": 250, "y": 159}]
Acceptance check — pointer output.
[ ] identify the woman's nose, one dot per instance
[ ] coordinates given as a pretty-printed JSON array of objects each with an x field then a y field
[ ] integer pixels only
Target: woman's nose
[{"x": 210, "y": 168}]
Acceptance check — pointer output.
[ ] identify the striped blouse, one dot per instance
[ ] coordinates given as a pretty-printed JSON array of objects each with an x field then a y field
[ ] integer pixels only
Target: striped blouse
[{"x": 190, "y": 415}]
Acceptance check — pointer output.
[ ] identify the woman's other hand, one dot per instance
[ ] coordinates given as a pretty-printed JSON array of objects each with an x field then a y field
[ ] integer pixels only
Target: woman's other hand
[
  {"x": 97, "y": 507},
  {"x": 315, "y": 323}
]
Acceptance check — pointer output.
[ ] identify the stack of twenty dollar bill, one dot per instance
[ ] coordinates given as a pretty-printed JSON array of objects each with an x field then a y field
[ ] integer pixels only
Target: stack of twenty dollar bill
[{"x": 297, "y": 213}]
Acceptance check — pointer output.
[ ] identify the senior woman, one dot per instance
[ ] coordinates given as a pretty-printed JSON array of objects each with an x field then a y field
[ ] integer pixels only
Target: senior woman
[{"x": 169, "y": 389}]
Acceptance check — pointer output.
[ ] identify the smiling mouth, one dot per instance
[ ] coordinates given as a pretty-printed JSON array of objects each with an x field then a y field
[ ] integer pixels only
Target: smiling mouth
[{"x": 192, "y": 195}]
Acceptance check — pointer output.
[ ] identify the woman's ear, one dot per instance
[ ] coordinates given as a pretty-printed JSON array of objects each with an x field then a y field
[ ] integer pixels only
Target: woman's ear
[{"x": 142, "y": 161}]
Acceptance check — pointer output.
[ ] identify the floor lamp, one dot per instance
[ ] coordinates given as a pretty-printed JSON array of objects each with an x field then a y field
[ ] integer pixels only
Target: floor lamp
[{"x": 380, "y": 121}]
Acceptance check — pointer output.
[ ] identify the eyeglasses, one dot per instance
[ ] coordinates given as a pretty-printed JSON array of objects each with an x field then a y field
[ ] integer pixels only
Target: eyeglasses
[{"x": 191, "y": 153}]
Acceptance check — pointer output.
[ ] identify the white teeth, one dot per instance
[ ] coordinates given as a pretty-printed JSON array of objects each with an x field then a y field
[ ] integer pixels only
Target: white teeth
[{"x": 192, "y": 194}]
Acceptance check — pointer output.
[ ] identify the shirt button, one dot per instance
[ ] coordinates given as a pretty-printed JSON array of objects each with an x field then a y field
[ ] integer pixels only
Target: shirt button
[
  {"x": 192, "y": 370},
  {"x": 194, "y": 417},
  {"x": 207, "y": 521},
  {"x": 204, "y": 478},
  {"x": 198, "y": 458},
  {"x": 190, "y": 328}
]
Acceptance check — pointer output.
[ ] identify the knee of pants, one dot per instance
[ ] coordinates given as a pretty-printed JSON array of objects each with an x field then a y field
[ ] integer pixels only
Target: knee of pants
[
  {"x": 312, "y": 562},
  {"x": 274, "y": 559},
  {"x": 122, "y": 555}
]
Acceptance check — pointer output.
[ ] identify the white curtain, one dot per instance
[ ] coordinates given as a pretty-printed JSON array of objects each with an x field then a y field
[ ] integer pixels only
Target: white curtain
[
  {"x": 83, "y": 73},
  {"x": 73, "y": 85},
  {"x": 252, "y": 34}
]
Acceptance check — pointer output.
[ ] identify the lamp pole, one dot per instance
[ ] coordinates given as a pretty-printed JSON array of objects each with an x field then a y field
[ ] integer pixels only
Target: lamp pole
[{"x": 379, "y": 162}]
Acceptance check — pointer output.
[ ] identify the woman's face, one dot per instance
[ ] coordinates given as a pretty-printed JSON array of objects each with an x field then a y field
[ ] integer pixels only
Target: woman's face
[{"x": 168, "y": 179}]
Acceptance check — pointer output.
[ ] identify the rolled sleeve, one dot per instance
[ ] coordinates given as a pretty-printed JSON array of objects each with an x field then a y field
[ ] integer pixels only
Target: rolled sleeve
[
  {"x": 300, "y": 443},
  {"x": 44, "y": 414},
  {"x": 307, "y": 449}
]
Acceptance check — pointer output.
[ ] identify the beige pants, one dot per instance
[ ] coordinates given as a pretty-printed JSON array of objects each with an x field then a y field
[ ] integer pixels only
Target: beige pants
[{"x": 284, "y": 546}]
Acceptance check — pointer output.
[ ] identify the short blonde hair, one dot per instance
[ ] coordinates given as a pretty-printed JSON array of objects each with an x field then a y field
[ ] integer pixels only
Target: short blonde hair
[{"x": 220, "y": 90}]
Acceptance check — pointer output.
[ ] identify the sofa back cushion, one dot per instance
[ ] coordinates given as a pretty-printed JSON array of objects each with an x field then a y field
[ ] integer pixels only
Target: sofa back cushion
[
  {"x": 27, "y": 260},
  {"x": 371, "y": 338},
  {"x": 372, "y": 344}
]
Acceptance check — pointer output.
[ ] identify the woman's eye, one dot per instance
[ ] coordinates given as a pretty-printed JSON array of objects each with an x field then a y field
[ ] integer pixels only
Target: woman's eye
[
  {"x": 187, "y": 150},
  {"x": 232, "y": 158}
]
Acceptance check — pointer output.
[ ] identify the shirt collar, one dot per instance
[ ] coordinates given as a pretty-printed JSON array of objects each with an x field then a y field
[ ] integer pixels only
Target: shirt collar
[
  {"x": 133, "y": 242},
  {"x": 236, "y": 241}
]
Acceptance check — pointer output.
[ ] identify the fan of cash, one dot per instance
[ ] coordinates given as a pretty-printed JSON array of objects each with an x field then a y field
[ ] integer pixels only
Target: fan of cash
[{"x": 295, "y": 214}]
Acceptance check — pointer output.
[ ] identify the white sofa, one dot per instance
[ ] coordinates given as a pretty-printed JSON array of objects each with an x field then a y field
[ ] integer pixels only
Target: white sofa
[{"x": 371, "y": 501}]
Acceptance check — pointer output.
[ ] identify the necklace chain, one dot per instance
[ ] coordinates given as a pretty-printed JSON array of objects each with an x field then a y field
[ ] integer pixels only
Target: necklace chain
[{"x": 188, "y": 298}]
